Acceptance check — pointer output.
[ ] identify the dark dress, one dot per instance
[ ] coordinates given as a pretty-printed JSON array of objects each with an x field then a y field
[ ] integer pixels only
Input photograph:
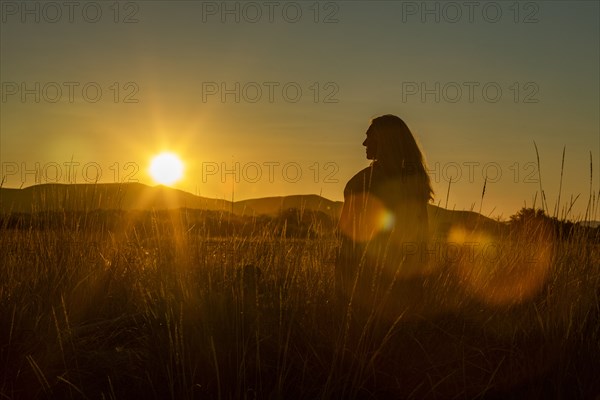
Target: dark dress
[{"x": 384, "y": 229}]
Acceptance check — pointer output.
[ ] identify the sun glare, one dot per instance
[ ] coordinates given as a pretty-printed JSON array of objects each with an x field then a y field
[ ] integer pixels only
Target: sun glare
[{"x": 166, "y": 168}]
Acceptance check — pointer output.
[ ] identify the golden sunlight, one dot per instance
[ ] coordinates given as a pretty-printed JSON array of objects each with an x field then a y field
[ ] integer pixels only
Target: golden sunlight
[{"x": 166, "y": 168}]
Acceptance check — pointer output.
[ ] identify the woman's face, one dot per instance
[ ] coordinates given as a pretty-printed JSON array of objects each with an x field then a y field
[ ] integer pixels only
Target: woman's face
[{"x": 371, "y": 144}]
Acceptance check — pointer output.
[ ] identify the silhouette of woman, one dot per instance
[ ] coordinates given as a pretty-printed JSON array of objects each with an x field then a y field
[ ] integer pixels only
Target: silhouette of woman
[{"x": 384, "y": 223}]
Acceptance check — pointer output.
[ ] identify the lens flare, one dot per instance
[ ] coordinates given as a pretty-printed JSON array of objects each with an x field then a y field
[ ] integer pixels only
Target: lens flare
[
  {"x": 502, "y": 271},
  {"x": 387, "y": 220},
  {"x": 364, "y": 216}
]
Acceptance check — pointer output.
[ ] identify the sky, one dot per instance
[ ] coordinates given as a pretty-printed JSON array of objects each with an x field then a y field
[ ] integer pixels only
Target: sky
[{"x": 274, "y": 98}]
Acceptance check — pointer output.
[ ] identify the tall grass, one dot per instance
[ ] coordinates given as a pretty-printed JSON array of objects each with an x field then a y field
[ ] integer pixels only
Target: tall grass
[{"x": 168, "y": 312}]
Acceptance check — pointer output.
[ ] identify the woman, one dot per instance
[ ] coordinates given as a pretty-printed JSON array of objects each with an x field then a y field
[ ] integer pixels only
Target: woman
[{"x": 384, "y": 222}]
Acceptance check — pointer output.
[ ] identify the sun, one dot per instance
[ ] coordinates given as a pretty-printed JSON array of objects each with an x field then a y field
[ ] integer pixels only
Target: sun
[{"x": 166, "y": 168}]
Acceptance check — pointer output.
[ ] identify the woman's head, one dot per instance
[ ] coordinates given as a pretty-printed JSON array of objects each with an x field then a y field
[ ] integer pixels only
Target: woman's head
[{"x": 394, "y": 149}]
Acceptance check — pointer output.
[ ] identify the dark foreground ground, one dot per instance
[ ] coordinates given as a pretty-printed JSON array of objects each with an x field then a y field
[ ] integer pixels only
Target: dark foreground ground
[{"x": 169, "y": 312}]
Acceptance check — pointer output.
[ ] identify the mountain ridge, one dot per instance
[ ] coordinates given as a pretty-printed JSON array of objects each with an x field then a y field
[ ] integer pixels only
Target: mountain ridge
[{"x": 138, "y": 196}]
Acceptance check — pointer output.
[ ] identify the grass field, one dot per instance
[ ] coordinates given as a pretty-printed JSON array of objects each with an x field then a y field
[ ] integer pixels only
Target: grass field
[{"x": 167, "y": 311}]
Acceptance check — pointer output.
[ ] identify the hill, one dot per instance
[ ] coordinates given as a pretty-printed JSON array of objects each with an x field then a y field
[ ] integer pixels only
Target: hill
[
  {"x": 88, "y": 197},
  {"x": 137, "y": 196}
]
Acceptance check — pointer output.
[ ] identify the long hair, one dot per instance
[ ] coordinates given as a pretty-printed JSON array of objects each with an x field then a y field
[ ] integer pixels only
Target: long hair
[{"x": 398, "y": 154}]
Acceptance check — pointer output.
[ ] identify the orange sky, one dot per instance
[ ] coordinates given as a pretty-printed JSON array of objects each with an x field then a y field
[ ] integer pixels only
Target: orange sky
[{"x": 278, "y": 104}]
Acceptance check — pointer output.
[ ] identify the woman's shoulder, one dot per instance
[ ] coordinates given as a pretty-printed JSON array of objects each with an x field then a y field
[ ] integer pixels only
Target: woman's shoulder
[{"x": 361, "y": 181}]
